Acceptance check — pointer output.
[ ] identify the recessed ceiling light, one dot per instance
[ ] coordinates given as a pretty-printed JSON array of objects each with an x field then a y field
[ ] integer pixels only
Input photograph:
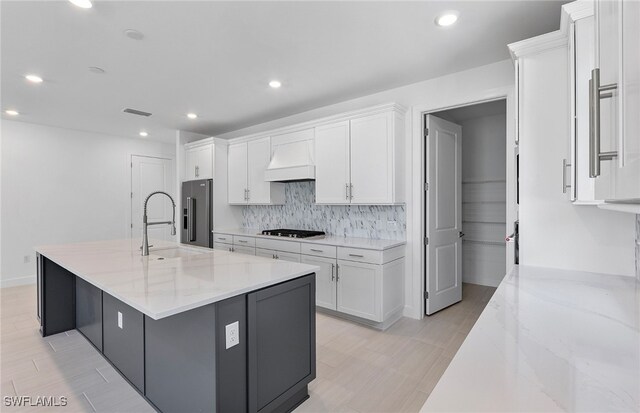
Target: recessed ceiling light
[
  {"x": 84, "y": 4},
  {"x": 134, "y": 34},
  {"x": 97, "y": 70},
  {"x": 447, "y": 18},
  {"x": 275, "y": 84},
  {"x": 144, "y": 134},
  {"x": 11, "y": 112},
  {"x": 192, "y": 115},
  {"x": 33, "y": 78}
]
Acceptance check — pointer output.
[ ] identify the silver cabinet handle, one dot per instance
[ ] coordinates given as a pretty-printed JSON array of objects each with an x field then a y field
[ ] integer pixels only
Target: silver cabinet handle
[
  {"x": 245, "y": 194},
  {"x": 190, "y": 219},
  {"x": 356, "y": 255},
  {"x": 350, "y": 191},
  {"x": 595, "y": 95},
  {"x": 315, "y": 250},
  {"x": 346, "y": 191},
  {"x": 222, "y": 238},
  {"x": 242, "y": 241},
  {"x": 333, "y": 269},
  {"x": 565, "y": 164},
  {"x": 248, "y": 194},
  {"x": 197, "y": 171},
  {"x": 337, "y": 272}
]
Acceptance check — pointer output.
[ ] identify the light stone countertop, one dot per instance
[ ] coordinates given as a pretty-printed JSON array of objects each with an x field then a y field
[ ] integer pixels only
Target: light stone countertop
[
  {"x": 549, "y": 340},
  {"x": 351, "y": 242},
  {"x": 163, "y": 284}
]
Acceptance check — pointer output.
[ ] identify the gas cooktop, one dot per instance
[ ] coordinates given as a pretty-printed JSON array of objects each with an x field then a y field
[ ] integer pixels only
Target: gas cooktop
[{"x": 292, "y": 233}]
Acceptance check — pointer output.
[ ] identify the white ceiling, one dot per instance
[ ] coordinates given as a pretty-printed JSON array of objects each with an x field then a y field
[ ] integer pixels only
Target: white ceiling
[{"x": 216, "y": 58}]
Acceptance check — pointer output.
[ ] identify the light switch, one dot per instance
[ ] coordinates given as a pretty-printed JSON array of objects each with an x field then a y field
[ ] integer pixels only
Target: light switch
[
  {"x": 232, "y": 334},
  {"x": 119, "y": 319}
]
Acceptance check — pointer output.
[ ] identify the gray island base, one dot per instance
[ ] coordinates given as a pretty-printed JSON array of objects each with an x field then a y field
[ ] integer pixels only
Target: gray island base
[{"x": 182, "y": 363}]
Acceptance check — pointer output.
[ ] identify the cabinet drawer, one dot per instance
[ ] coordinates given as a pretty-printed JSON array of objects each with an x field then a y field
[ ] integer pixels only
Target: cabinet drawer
[
  {"x": 318, "y": 250},
  {"x": 225, "y": 238},
  {"x": 244, "y": 250},
  {"x": 244, "y": 241},
  {"x": 222, "y": 246},
  {"x": 360, "y": 255},
  {"x": 278, "y": 245}
]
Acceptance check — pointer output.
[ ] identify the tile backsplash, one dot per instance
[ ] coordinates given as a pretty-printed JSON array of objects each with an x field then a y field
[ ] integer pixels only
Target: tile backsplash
[{"x": 301, "y": 212}]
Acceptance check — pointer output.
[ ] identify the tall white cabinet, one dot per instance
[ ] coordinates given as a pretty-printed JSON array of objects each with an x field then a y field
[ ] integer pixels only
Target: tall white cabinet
[
  {"x": 248, "y": 162},
  {"x": 360, "y": 160}
]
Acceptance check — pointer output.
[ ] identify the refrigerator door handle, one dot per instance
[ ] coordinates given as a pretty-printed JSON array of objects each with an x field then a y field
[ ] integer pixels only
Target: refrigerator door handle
[{"x": 190, "y": 217}]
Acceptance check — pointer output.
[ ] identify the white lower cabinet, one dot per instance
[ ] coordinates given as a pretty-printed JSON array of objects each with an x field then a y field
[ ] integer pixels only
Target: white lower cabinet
[
  {"x": 222, "y": 246},
  {"x": 360, "y": 289},
  {"x": 244, "y": 250},
  {"x": 325, "y": 280}
]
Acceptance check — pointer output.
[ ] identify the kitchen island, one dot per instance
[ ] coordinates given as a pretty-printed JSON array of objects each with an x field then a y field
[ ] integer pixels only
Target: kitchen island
[{"x": 192, "y": 329}]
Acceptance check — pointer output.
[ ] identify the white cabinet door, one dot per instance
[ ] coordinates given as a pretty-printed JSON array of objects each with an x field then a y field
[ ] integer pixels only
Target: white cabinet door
[
  {"x": 325, "y": 280},
  {"x": 191, "y": 162},
  {"x": 359, "y": 288},
  {"x": 237, "y": 173},
  {"x": 372, "y": 159},
  {"x": 222, "y": 246},
  {"x": 287, "y": 256},
  {"x": 244, "y": 250},
  {"x": 258, "y": 155},
  {"x": 332, "y": 163},
  {"x": 260, "y": 252},
  {"x": 204, "y": 155}
]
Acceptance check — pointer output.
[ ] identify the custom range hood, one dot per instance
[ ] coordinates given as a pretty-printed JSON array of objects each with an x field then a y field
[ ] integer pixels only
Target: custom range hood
[{"x": 292, "y": 159}]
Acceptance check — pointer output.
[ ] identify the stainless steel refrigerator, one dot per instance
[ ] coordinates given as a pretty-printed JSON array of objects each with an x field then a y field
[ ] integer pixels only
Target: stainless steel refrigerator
[{"x": 196, "y": 213}]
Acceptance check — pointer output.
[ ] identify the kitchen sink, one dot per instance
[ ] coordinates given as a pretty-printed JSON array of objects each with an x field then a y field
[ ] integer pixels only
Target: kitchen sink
[{"x": 175, "y": 252}]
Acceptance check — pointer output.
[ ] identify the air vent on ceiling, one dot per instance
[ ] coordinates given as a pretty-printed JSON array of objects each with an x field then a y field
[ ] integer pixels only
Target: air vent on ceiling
[{"x": 136, "y": 112}]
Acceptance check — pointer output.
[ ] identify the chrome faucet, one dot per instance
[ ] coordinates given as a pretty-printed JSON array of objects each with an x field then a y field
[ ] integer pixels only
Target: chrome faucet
[{"x": 145, "y": 224}]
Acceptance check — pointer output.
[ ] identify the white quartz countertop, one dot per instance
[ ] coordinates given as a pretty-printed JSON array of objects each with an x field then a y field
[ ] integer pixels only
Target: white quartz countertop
[
  {"x": 173, "y": 278},
  {"x": 351, "y": 242},
  {"x": 549, "y": 340}
]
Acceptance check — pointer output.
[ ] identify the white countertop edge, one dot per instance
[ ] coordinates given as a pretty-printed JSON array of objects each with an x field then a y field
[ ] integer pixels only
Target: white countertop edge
[
  {"x": 181, "y": 309},
  {"x": 333, "y": 240}
]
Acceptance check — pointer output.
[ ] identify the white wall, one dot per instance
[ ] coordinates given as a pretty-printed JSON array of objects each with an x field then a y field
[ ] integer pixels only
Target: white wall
[
  {"x": 554, "y": 232},
  {"x": 60, "y": 185},
  {"x": 472, "y": 85}
]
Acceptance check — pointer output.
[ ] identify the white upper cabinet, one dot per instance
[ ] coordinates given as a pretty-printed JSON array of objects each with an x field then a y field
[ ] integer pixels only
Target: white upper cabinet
[
  {"x": 614, "y": 158},
  {"x": 199, "y": 157},
  {"x": 332, "y": 163},
  {"x": 237, "y": 173},
  {"x": 359, "y": 161},
  {"x": 372, "y": 159},
  {"x": 247, "y": 163}
]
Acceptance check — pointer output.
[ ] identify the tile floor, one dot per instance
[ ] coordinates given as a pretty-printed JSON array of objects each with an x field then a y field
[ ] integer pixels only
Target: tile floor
[{"x": 358, "y": 369}]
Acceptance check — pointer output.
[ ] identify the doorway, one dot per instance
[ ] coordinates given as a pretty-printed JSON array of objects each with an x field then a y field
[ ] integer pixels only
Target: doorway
[
  {"x": 149, "y": 174},
  {"x": 465, "y": 208}
]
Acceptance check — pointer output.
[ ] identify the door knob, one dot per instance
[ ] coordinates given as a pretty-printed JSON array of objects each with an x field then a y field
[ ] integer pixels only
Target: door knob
[{"x": 460, "y": 234}]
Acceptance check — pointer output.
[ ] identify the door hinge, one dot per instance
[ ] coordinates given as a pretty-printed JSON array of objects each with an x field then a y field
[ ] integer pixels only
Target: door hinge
[
  {"x": 426, "y": 295},
  {"x": 426, "y": 186},
  {"x": 426, "y": 241},
  {"x": 131, "y": 195},
  {"x": 132, "y": 164},
  {"x": 132, "y": 225},
  {"x": 426, "y": 132}
]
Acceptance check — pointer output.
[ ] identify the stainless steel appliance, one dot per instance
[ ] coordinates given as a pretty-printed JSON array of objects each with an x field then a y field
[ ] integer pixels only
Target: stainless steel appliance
[
  {"x": 292, "y": 233},
  {"x": 196, "y": 213}
]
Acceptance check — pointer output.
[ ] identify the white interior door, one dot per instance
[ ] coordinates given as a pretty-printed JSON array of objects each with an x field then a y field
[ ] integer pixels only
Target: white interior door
[
  {"x": 443, "y": 214},
  {"x": 149, "y": 174}
]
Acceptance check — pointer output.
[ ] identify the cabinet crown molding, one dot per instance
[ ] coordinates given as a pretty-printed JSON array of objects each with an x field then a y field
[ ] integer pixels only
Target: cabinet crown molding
[
  {"x": 372, "y": 110},
  {"x": 538, "y": 44},
  {"x": 575, "y": 11}
]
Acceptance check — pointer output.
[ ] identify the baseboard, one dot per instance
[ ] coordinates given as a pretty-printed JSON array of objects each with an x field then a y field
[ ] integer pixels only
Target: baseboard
[
  {"x": 15, "y": 282},
  {"x": 395, "y": 316}
]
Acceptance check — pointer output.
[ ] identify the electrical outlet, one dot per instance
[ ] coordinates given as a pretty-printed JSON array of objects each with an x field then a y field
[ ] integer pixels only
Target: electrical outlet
[
  {"x": 119, "y": 319},
  {"x": 232, "y": 334}
]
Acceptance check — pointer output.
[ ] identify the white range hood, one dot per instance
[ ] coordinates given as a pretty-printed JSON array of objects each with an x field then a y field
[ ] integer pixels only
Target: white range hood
[{"x": 292, "y": 160}]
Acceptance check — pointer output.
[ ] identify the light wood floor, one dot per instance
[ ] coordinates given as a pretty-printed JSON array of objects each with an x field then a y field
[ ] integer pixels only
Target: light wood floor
[{"x": 358, "y": 369}]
